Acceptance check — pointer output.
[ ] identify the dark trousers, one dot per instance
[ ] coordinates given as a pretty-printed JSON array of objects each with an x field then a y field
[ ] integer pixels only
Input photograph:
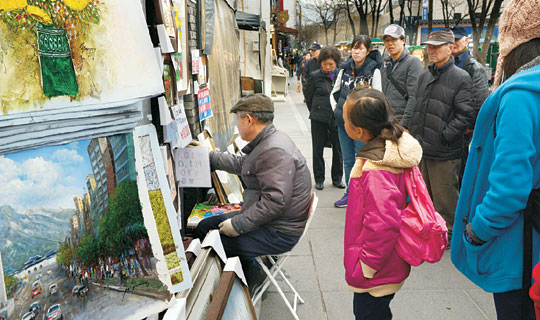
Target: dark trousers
[
  {"x": 263, "y": 241},
  {"x": 323, "y": 134},
  {"x": 368, "y": 307},
  {"x": 508, "y": 306}
]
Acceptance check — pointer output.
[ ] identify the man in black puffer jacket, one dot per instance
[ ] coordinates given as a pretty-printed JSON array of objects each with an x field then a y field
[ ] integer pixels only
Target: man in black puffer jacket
[{"x": 442, "y": 114}]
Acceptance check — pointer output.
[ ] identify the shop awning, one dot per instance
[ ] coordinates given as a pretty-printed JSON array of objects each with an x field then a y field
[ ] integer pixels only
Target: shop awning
[{"x": 288, "y": 30}]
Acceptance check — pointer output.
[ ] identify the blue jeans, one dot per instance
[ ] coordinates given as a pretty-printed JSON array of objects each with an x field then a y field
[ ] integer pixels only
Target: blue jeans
[{"x": 349, "y": 149}]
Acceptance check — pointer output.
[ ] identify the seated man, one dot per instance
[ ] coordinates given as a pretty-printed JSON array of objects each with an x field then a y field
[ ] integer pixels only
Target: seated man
[{"x": 278, "y": 187}]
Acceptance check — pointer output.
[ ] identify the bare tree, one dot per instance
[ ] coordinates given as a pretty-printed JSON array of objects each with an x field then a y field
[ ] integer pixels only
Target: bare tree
[
  {"x": 412, "y": 20},
  {"x": 449, "y": 12},
  {"x": 391, "y": 7},
  {"x": 362, "y": 7},
  {"x": 376, "y": 9},
  {"x": 326, "y": 13},
  {"x": 350, "y": 10},
  {"x": 479, "y": 11}
]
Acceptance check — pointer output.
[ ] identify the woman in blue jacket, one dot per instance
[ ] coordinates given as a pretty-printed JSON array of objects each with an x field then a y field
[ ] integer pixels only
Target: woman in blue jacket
[{"x": 503, "y": 168}]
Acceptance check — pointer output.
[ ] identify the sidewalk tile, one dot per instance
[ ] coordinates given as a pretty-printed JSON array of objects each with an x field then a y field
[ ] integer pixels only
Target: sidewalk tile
[
  {"x": 274, "y": 308},
  {"x": 331, "y": 273},
  {"x": 434, "y": 304},
  {"x": 326, "y": 241},
  {"x": 301, "y": 273},
  {"x": 339, "y": 305}
]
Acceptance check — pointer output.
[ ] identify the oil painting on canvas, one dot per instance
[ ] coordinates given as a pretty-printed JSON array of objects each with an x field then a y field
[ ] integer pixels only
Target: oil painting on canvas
[
  {"x": 75, "y": 240},
  {"x": 74, "y": 52}
]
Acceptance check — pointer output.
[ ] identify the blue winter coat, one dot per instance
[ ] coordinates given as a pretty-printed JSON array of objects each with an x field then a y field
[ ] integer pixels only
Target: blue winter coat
[{"x": 502, "y": 169}]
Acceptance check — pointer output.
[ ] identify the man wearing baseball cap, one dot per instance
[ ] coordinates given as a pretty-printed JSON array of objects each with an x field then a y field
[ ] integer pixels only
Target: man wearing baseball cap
[
  {"x": 277, "y": 191},
  {"x": 313, "y": 64},
  {"x": 399, "y": 75},
  {"x": 442, "y": 114},
  {"x": 465, "y": 60}
]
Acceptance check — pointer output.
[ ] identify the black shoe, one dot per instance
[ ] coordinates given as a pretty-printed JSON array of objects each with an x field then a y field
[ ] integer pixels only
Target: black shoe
[
  {"x": 339, "y": 184},
  {"x": 319, "y": 185},
  {"x": 255, "y": 277}
]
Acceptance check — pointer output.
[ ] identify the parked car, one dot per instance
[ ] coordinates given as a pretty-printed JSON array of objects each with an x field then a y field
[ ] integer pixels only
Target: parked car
[
  {"x": 39, "y": 277},
  {"x": 35, "y": 308},
  {"x": 35, "y": 284},
  {"x": 35, "y": 291},
  {"x": 53, "y": 289},
  {"x": 28, "y": 316},
  {"x": 54, "y": 312},
  {"x": 80, "y": 290}
]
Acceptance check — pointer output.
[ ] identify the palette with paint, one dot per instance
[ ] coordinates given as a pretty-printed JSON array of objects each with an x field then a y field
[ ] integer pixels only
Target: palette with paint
[{"x": 202, "y": 211}]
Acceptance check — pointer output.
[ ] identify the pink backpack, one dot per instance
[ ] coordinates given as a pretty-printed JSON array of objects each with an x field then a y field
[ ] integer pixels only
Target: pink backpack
[{"x": 423, "y": 234}]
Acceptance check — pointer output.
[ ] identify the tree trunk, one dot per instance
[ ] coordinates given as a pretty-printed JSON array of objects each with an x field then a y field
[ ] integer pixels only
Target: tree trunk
[
  {"x": 430, "y": 15},
  {"x": 391, "y": 11},
  {"x": 493, "y": 18},
  {"x": 351, "y": 21}
]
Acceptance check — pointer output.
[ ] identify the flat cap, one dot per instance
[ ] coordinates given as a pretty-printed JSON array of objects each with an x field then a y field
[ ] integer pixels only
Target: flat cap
[
  {"x": 256, "y": 102},
  {"x": 440, "y": 37}
]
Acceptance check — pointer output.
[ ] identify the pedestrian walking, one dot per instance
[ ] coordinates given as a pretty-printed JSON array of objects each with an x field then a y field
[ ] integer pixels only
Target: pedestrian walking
[
  {"x": 377, "y": 196},
  {"x": 323, "y": 124},
  {"x": 465, "y": 60},
  {"x": 300, "y": 74},
  {"x": 312, "y": 65},
  {"x": 400, "y": 74},
  {"x": 442, "y": 114},
  {"x": 503, "y": 169},
  {"x": 360, "y": 69}
]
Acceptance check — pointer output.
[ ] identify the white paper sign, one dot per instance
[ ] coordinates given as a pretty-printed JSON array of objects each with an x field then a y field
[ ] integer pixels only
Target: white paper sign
[
  {"x": 164, "y": 113},
  {"x": 193, "y": 168},
  {"x": 164, "y": 40},
  {"x": 184, "y": 133}
]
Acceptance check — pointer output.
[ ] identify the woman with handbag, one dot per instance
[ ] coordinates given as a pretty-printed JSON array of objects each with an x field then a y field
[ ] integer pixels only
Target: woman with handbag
[
  {"x": 502, "y": 169},
  {"x": 323, "y": 124}
]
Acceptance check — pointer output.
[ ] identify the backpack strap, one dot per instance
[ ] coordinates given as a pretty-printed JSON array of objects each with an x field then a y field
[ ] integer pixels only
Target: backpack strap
[{"x": 398, "y": 87}]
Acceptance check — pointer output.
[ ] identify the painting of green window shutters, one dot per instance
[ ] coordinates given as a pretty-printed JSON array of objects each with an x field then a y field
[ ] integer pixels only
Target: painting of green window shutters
[{"x": 65, "y": 53}]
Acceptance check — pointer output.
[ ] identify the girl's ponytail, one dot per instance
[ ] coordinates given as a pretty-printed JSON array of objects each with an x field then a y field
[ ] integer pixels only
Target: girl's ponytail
[{"x": 371, "y": 111}]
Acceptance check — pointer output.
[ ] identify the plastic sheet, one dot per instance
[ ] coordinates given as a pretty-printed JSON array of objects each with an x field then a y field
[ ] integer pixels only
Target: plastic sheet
[{"x": 223, "y": 68}]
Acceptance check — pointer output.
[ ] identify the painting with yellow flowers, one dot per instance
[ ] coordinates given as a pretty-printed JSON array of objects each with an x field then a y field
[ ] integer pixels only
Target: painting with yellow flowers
[{"x": 60, "y": 53}]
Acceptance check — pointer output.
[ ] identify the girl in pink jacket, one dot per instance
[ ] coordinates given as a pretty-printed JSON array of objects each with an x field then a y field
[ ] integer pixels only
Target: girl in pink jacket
[{"x": 377, "y": 196}]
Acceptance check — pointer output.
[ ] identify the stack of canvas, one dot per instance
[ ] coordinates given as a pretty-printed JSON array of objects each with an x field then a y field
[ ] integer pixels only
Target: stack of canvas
[{"x": 86, "y": 216}]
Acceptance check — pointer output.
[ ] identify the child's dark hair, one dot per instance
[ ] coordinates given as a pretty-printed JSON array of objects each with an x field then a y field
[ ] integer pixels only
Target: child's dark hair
[{"x": 371, "y": 110}]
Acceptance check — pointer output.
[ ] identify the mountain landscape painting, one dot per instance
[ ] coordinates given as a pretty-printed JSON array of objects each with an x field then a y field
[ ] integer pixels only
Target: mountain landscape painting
[{"x": 74, "y": 238}]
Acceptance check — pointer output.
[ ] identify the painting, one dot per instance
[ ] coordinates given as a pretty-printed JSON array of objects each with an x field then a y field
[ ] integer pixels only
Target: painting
[
  {"x": 74, "y": 238},
  {"x": 158, "y": 208},
  {"x": 64, "y": 53},
  {"x": 180, "y": 19}
]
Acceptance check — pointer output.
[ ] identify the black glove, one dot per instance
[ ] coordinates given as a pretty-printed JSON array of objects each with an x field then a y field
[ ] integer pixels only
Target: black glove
[{"x": 471, "y": 237}]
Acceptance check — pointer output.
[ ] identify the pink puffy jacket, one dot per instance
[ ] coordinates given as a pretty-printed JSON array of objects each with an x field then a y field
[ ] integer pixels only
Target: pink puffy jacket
[{"x": 377, "y": 196}]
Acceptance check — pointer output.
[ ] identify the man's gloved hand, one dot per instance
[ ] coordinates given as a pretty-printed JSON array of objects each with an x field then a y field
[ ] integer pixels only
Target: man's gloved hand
[{"x": 226, "y": 228}]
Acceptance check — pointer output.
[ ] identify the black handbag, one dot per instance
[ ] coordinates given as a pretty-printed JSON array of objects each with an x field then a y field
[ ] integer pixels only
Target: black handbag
[{"x": 532, "y": 220}]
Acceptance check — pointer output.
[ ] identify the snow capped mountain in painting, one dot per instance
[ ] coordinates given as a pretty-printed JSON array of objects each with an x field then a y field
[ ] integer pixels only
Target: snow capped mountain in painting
[{"x": 33, "y": 232}]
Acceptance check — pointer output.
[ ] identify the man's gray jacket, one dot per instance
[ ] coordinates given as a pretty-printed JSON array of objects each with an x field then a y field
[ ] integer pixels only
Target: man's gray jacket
[
  {"x": 405, "y": 72},
  {"x": 277, "y": 180}
]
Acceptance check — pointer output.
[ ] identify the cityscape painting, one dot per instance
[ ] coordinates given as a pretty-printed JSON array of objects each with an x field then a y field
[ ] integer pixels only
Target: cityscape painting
[{"x": 75, "y": 244}]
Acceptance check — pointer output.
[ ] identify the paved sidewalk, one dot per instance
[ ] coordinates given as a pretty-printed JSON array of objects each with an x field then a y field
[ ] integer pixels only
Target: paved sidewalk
[{"x": 316, "y": 270}]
